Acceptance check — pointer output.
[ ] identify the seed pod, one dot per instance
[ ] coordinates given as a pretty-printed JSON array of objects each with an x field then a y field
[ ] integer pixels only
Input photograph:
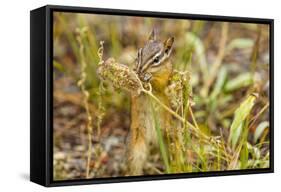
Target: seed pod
[
  {"x": 120, "y": 75},
  {"x": 179, "y": 90}
]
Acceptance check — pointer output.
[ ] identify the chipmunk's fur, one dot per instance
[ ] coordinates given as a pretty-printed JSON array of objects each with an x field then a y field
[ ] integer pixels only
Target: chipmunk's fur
[{"x": 153, "y": 65}]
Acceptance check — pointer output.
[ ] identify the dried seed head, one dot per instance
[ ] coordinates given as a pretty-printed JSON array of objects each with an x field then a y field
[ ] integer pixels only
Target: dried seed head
[
  {"x": 179, "y": 89},
  {"x": 119, "y": 75}
]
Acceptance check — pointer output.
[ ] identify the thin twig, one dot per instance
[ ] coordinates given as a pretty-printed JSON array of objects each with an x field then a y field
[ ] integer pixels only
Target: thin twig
[
  {"x": 254, "y": 119},
  {"x": 192, "y": 116}
]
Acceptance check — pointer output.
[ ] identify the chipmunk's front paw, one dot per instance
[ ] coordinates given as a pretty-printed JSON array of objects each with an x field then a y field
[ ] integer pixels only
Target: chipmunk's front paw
[{"x": 145, "y": 77}]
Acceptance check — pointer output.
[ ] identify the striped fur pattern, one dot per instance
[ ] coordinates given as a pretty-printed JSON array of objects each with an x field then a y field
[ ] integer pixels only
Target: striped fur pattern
[{"x": 152, "y": 65}]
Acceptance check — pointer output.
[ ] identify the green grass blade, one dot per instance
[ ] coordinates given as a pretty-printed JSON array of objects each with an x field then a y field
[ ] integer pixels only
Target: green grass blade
[
  {"x": 161, "y": 143},
  {"x": 240, "y": 115},
  {"x": 259, "y": 130},
  {"x": 243, "y": 80},
  {"x": 240, "y": 43},
  {"x": 219, "y": 83}
]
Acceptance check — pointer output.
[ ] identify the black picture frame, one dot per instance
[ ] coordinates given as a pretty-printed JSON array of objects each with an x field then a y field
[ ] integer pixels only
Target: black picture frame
[{"x": 41, "y": 90}]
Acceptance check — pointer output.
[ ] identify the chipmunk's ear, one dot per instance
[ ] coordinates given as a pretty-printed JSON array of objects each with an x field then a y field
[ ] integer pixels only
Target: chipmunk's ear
[
  {"x": 168, "y": 45},
  {"x": 152, "y": 36}
]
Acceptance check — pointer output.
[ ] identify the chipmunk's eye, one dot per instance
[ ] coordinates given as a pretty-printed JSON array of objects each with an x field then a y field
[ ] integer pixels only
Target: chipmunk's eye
[{"x": 156, "y": 59}]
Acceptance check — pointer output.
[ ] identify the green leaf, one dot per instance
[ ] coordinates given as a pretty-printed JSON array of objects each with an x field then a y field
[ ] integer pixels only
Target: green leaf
[
  {"x": 240, "y": 43},
  {"x": 235, "y": 134},
  {"x": 240, "y": 81},
  {"x": 219, "y": 83},
  {"x": 240, "y": 115},
  {"x": 259, "y": 130}
]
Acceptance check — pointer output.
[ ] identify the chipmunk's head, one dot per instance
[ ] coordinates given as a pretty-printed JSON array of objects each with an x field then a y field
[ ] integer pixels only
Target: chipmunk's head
[{"x": 153, "y": 58}]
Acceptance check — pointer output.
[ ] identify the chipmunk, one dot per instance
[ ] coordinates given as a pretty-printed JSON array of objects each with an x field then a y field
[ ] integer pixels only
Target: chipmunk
[{"x": 152, "y": 65}]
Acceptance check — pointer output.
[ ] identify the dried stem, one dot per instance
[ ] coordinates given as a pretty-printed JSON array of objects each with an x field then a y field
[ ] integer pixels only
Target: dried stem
[
  {"x": 218, "y": 60},
  {"x": 183, "y": 120},
  {"x": 100, "y": 53},
  {"x": 81, "y": 84}
]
